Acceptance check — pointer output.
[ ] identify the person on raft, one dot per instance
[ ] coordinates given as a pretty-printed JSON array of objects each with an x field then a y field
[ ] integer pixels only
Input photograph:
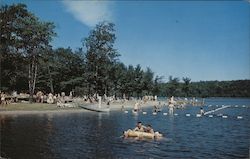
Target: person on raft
[
  {"x": 149, "y": 129},
  {"x": 139, "y": 127}
]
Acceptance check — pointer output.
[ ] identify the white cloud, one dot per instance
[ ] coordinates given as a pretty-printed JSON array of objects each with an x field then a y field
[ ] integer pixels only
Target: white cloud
[{"x": 89, "y": 12}]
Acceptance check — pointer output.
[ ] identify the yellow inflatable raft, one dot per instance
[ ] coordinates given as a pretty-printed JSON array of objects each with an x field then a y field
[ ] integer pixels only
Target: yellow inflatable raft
[{"x": 131, "y": 133}]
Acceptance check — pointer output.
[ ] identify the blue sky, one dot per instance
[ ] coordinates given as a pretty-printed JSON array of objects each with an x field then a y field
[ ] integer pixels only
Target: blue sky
[{"x": 197, "y": 39}]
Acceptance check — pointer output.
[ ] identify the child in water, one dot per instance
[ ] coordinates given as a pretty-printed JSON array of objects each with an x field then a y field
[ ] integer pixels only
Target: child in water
[{"x": 202, "y": 111}]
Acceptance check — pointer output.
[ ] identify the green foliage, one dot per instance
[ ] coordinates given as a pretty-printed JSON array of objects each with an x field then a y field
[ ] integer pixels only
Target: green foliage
[
  {"x": 28, "y": 63},
  {"x": 186, "y": 85},
  {"x": 238, "y": 88},
  {"x": 100, "y": 57},
  {"x": 61, "y": 69},
  {"x": 173, "y": 86},
  {"x": 157, "y": 85},
  {"x": 24, "y": 38}
]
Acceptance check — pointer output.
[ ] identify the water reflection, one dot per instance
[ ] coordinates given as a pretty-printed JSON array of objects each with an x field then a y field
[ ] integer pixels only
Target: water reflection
[
  {"x": 24, "y": 140},
  {"x": 99, "y": 135},
  {"x": 95, "y": 135}
]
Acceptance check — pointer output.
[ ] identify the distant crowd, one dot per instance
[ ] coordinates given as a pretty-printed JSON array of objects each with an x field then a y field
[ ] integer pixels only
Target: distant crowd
[{"x": 41, "y": 97}]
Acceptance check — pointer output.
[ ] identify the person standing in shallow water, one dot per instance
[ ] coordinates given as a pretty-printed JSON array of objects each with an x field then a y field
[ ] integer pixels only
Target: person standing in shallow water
[
  {"x": 202, "y": 111},
  {"x": 171, "y": 105},
  {"x": 136, "y": 107}
]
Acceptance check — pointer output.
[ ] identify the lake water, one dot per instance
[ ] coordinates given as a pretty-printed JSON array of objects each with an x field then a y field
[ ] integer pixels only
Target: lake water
[{"x": 96, "y": 135}]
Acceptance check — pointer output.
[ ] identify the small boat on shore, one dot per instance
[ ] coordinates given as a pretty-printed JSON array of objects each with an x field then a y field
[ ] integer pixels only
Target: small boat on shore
[
  {"x": 95, "y": 107},
  {"x": 134, "y": 134}
]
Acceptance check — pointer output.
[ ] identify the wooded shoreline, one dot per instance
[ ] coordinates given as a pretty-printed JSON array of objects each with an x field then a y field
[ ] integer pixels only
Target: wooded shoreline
[{"x": 29, "y": 64}]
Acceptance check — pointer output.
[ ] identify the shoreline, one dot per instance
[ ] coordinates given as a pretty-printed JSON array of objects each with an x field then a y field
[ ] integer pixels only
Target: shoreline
[
  {"x": 27, "y": 112},
  {"x": 43, "y": 108}
]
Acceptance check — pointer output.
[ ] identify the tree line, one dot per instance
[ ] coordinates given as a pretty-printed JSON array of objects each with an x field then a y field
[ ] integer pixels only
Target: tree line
[
  {"x": 29, "y": 64},
  {"x": 186, "y": 88}
]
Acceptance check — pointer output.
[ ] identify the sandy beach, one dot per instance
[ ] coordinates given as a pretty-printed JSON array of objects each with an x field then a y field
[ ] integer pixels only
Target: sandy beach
[{"x": 44, "y": 108}]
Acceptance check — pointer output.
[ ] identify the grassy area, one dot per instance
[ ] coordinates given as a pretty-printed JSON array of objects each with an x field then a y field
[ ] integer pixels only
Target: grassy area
[{"x": 33, "y": 106}]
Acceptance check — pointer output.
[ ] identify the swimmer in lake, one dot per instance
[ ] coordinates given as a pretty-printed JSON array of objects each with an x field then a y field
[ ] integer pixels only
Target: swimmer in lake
[
  {"x": 139, "y": 127},
  {"x": 136, "y": 107},
  {"x": 202, "y": 111},
  {"x": 149, "y": 129}
]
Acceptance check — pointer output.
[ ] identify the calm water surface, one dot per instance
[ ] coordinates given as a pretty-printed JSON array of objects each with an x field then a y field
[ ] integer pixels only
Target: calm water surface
[{"x": 95, "y": 135}]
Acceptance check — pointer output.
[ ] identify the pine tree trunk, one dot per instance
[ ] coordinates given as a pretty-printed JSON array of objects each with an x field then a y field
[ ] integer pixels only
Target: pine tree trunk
[
  {"x": 30, "y": 85},
  {"x": 34, "y": 81},
  {"x": 51, "y": 82},
  {"x": 32, "y": 78}
]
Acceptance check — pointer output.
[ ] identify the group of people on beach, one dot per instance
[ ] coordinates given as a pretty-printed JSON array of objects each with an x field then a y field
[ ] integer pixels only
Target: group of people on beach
[
  {"x": 3, "y": 101},
  {"x": 141, "y": 128},
  {"x": 53, "y": 98}
]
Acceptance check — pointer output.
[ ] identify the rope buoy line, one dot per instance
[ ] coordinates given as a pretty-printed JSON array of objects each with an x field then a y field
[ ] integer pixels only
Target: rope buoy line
[
  {"x": 198, "y": 115},
  {"x": 189, "y": 115},
  {"x": 205, "y": 114},
  {"x": 212, "y": 111}
]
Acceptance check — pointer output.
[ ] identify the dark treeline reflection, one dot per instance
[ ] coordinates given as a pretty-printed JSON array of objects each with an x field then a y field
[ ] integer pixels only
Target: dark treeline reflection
[
  {"x": 58, "y": 136},
  {"x": 30, "y": 138}
]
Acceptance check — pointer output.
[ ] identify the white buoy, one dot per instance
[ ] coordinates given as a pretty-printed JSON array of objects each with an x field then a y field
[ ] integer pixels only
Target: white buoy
[
  {"x": 210, "y": 116},
  {"x": 154, "y": 113},
  {"x": 236, "y": 106},
  {"x": 144, "y": 113},
  {"x": 210, "y": 105},
  {"x": 198, "y": 115},
  {"x": 239, "y": 117},
  {"x": 125, "y": 111},
  {"x": 243, "y": 106},
  {"x": 175, "y": 114},
  {"x": 224, "y": 116},
  {"x": 187, "y": 114},
  {"x": 165, "y": 113},
  {"x": 220, "y": 114}
]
